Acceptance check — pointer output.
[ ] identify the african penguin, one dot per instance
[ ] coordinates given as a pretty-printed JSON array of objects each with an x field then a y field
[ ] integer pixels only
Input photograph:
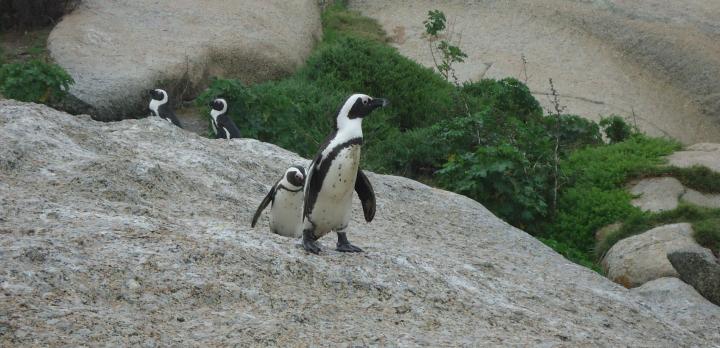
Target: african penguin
[
  {"x": 286, "y": 197},
  {"x": 222, "y": 124},
  {"x": 335, "y": 173},
  {"x": 159, "y": 106}
]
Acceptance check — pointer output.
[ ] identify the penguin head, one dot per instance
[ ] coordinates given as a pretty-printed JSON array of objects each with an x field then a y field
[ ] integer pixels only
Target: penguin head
[
  {"x": 357, "y": 107},
  {"x": 158, "y": 95},
  {"x": 295, "y": 176},
  {"x": 218, "y": 106}
]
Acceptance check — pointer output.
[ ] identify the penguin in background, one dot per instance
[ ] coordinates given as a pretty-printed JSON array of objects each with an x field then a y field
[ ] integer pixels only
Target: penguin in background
[
  {"x": 286, "y": 199},
  {"x": 160, "y": 106},
  {"x": 335, "y": 173},
  {"x": 222, "y": 124}
]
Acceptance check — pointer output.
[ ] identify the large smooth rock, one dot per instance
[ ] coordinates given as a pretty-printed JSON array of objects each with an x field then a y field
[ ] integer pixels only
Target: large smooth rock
[
  {"x": 117, "y": 49},
  {"x": 655, "y": 62},
  {"x": 672, "y": 298},
  {"x": 138, "y": 233},
  {"x": 700, "y": 270},
  {"x": 636, "y": 260},
  {"x": 705, "y": 154},
  {"x": 657, "y": 194},
  {"x": 710, "y": 200}
]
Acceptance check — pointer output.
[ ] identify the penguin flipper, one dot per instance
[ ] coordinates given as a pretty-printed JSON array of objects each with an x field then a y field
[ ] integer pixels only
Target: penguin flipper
[
  {"x": 268, "y": 198},
  {"x": 175, "y": 120},
  {"x": 228, "y": 127},
  {"x": 367, "y": 195}
]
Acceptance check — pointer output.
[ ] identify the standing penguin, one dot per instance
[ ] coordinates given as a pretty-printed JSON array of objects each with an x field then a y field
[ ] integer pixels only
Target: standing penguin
[
  {"x": 287, "y": 200},
  {"x": 335, "y": 173},
  {"x": 159, "y": 106},
  {"x": 222, "y": 124}
]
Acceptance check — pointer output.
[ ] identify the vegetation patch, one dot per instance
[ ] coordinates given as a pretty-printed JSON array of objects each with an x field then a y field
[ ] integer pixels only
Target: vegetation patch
[
  {"x": 26, "y": 70},
  {"x": 698, "y": 178},
  {"x": 34, "y": 81},
  {"x": 705, "y": 222},
  {"x": 337, "y": 21}
]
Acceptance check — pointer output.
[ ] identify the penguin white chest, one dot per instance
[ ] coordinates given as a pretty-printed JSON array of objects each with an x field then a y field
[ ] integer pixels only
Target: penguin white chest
[
  {"x": 334, "y": 201},
  {"x": 340, "y": 180},
  {"x": 286, "y": 213}
]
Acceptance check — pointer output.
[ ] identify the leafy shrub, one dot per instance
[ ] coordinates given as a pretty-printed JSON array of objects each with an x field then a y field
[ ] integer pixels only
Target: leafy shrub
[
  {"x": 616, "y": 129},
  {"x": 419, "y": 98},
  {"x": 502, "y": 178},
  {"x": 508, "y": 97},
  {"x": 575, "y": 132},
  {"x": 593, "y": 195},
  {"x": 449, "y": 54},
  {"x": 34, "y": 81}
]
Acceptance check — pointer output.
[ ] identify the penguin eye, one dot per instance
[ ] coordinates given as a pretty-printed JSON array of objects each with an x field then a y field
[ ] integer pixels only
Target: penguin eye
[{"x": 365, "y": 101}]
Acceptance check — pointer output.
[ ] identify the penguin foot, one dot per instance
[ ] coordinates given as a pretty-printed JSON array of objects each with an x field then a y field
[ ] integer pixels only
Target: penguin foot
[
  {"x": 309, "y": 243},
  {"x": 343, "y": 245},
  {"x": 348, "y": 248}
]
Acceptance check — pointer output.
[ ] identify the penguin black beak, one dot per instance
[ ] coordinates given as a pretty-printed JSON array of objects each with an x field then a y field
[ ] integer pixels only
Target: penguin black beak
[{"x": 379, "y": 103}]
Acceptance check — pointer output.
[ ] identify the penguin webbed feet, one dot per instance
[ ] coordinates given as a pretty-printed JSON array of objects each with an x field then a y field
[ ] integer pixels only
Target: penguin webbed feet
[
  {"x": 309, "y": 242},
  {"x": 343, "y": 245}
]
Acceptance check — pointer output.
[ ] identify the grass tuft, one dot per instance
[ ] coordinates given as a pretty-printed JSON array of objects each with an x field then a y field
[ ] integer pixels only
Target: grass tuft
[{"x": 337, "y": 20}]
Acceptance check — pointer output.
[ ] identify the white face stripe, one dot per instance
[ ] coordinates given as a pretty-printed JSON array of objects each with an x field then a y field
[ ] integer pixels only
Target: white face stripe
[
  {"x": 347, "y": 128},
  {"x": 215, "y": 113},
  {"x": 286, "y": 183},
  {"x": 155, "y": 104}
]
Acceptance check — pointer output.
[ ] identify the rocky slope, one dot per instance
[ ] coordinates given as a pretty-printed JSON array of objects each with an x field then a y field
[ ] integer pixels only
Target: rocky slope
[
  {"x": 137, "y": 232},
  {"x": 655, "y": 62},
  {"x": 116, "y": 50}
]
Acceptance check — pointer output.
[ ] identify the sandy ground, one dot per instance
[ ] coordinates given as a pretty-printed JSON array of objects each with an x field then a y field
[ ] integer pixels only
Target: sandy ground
[{"x": 599, "y": 66}]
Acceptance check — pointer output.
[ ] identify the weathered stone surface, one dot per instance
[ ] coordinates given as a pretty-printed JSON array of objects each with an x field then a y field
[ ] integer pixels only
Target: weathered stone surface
[
  {"x": 700, "y": 270},
  {"x": 655, "y": 62},
  {"x": 657, "y": 194},
  {"x": 636, "y": 260},
  {"x": 137, "y": 233},
  {"x": 705, "y": 154},
  {"x": 117, "y": 49},
  {"x": 709, "y": 200},
  {"x": 672, "y": 298}
]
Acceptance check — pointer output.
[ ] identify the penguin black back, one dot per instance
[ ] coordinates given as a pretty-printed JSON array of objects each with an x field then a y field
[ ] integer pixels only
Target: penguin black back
[
  {"x": 160, "y": 106},
  {"x": 223, "y": 125}
]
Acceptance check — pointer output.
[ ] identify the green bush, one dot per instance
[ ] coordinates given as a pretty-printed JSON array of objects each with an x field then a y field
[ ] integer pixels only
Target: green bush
[
  {"x": 616, "y": 129},
  {"x": 34, "y": 81},
  {"x": 594, "y": 194},
  {"x": 503, "y": 178},
  {"x": 419, "y": 98}
]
